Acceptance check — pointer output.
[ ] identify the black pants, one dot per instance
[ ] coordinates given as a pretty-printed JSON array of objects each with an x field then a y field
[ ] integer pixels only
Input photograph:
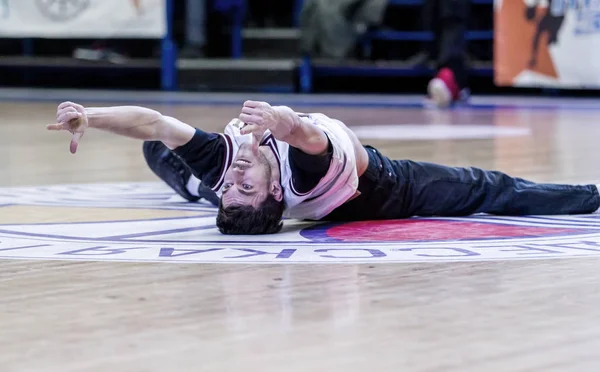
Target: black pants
[
  {"x": 403, "y": 188},
  {"x": 448, "y": 20}
]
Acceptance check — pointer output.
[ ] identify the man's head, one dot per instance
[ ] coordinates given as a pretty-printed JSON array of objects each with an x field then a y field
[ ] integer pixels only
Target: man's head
[{"x": 252, "y": 196}]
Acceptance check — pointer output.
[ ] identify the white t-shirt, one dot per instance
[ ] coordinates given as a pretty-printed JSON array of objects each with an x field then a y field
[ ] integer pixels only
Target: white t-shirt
[{"x": 337, "y": 186}]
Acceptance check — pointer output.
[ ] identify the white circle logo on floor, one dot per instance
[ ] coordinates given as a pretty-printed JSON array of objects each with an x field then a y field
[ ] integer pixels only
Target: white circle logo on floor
[{"x": 145, "y": 222}]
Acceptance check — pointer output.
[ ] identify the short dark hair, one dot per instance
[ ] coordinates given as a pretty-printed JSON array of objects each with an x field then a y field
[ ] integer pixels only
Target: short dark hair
[{"x": 247, "y": 220}]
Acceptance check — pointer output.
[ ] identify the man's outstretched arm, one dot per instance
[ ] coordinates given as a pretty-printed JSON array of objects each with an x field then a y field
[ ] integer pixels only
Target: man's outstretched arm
[
  {"x": 129, "y": 121},
  {"x": 202, "y": 152},
  {"x": 141, "y": 123}
]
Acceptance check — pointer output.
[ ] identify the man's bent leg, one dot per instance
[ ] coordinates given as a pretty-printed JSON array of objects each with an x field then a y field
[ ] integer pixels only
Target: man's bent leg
[
  {"x": 174, "y": 172},
  {"x": 435, "y": 190}
]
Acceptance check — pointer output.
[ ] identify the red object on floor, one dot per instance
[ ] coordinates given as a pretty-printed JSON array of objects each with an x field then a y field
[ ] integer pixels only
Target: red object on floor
[
  {"x": 447, "y": 76},
  {"x": 432, "y": 230}
]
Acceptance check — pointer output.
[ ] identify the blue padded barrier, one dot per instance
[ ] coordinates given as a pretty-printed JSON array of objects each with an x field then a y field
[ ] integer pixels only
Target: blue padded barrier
[
  {"x": 168, "y": 63},
  {"x": 392, "y": 35}
]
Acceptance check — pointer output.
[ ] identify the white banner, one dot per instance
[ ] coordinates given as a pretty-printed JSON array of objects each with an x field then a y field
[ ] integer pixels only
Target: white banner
[{"x": 83, "y": 18}]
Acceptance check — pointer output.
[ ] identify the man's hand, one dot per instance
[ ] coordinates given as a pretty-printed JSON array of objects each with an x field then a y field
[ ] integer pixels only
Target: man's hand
[
  {"x": 285, "y": 125},
  {"x": 260, "y": 117},
  {"x": 71, "y": 117}
]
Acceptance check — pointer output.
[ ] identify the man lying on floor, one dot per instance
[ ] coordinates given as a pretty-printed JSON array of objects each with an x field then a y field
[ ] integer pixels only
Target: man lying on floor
[{"x": 274, "y": 162}]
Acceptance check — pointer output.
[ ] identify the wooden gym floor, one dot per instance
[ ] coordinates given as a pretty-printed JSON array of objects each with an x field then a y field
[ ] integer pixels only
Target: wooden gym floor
[{"x": 102, "y": 269}]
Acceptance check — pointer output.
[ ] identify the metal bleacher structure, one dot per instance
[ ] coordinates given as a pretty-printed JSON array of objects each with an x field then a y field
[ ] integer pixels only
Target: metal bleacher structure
[
  {"x": 283, "y": 69},
  {"x": 309, "y": 69},
  {"x": 264, "y": 59}
]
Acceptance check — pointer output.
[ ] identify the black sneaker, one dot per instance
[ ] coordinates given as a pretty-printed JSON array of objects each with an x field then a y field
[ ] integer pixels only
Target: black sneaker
[
  {"x": 169, "y": 168},
  {"x": 206, "y": 193}
]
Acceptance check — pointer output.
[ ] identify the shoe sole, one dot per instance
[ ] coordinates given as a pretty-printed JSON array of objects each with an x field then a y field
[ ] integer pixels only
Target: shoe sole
[{"x": 439, "y": 93}]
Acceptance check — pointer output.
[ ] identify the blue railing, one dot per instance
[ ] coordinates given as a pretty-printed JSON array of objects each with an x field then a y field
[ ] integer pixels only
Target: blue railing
[
  {"x": 307, "y": 69},
  {"x": 168, "y": 63},
  {"x": 392, "y": 35},
  {"x": 419, "y": 2},
  {"x": 240, "y": 12}
]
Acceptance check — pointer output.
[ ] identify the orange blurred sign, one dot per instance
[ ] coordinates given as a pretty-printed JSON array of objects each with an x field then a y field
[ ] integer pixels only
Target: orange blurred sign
[{"x": 547, "y": 43}]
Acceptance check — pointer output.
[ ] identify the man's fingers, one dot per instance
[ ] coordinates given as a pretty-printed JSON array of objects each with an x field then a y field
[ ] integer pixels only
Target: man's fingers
[
  {"x": 65, "y": 104},
  {"x": 256, "y": 138},
  {"x": 251, "y": 111},
  {"x": 249, "y": 128},
  {"x": 73, "y": 146},
  {"x": 75, "y": 106},
  {"x": 68, "y": 116},
  {"x": 75, "y": 142},
  {"x": 246, "y": 118},
  {"x": 252, "y": 104},
  {"x": 79, "y": 108},
  {"x": 64, "y": 110},
  {"x": 58, "y": 126}
]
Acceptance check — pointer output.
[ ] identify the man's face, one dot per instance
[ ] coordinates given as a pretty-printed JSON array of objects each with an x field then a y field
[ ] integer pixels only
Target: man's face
[{"x": 248, "y": 179}]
